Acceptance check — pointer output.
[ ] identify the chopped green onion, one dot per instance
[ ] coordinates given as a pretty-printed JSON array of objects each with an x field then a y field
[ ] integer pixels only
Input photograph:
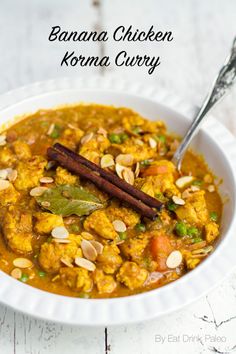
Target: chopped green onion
[
  {"x": 145, "y": 163},
  {"x": 140, "y": 227},
  {"x": 75, "y": 228},
  {"x": 41, "y": 273},
  {"x": 24, "y": 278},
  {"x": 122, "y": 235},
  {"x": 136, "y": 130},
  {"x": 213, "y": 216},
  {"x": 181, "y": 228},
  {"x": 197, "y": 239},
  {"x": 83, "y": 295},
  {"x": 171, "y": 206},
  {"x": 56, "y": 132},
  {"x": 197, "y": 182},
  {"x": 160, "y": 138}
]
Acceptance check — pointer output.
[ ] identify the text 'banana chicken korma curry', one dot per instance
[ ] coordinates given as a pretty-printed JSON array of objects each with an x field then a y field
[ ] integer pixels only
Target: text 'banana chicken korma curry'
[{"x": 92, "y": 206}]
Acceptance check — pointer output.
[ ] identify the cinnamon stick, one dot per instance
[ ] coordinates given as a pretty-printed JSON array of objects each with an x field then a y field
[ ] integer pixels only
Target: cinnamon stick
[
  {"x": 111, "y": 177},
  {"x": 74, "y": 166}
]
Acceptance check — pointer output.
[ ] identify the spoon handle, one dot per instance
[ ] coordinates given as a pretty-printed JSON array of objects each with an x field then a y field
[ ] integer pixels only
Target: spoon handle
[{"x": 223, "y": 82}]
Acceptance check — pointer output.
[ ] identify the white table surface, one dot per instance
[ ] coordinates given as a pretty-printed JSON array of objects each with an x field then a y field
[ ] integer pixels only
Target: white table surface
[{"x": 203, "y": 31}]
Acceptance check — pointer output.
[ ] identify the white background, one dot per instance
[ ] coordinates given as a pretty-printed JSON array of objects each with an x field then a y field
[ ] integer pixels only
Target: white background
[{"x": 203, "y": 31}]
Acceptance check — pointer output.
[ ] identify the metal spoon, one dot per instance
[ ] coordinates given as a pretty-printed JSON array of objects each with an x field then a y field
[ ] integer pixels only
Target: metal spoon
[{"x": 223, "y": 82}]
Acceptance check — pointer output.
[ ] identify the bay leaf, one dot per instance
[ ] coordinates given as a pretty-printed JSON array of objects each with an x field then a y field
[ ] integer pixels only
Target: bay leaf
[{"x": 66, "y": 200}]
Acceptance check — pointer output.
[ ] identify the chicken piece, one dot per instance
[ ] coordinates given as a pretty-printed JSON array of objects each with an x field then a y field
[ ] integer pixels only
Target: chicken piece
[
  {"x": 22, "y": 150},
  {"x": 130, "y": 122},
  {"x": 190, "y": 262},
  {"x": 139, "y": 152},
  {"x": 78, "y": 279},
  {"x": 110, "y": 260},
  {"x": 195, "y": 210},
  {"x": 71, "y": 137},
  {"x": 7, "y": 158},
  {"x": 30, "y": 173},
  {"x": 9, "y": 196},
  {"x": 211, "y": 231},
  {"x": 64, "y": 177},
  {"x": 132, "y": 275},
  {"x": 127, "y": 215},
  {"x": 51, "y": 253},
  {"x": 106, "y": 284},
  {"x": 17, "y": 230},
  {"x": 99, "y": 222},
  {"x": 134, "y": 248},
  {"x": 45, "y": 222},
  {"x": 156, "y": 184},
  {"x": 98, "y": 143}
]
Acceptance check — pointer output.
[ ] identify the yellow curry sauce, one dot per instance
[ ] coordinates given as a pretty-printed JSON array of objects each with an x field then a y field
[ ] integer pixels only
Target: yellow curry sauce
[{"x": 129, "y": 254}]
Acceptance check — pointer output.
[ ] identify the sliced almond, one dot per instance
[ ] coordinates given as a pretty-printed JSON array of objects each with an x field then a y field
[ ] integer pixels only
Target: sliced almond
[
  {"x": 211, "y": 188},
  {"x": 86, "y": 138},
  {"x": 87, "y": 235},
  {"x": 85, "y": 263},
  {"x": 119, "y": 170},
  {"x": 22, "y": 263},
  {"x": 125, "y": 159},
  {"x": 128, "y": 176},
  {"x": 45, "y": 204},
  {"x": 2, "y": 140},
  {"x": 60, "y": 232},
  {"x": 66, "y": 262},
  {"x": 137, "y": 170},
  {"x": 102, "y": 131},
  {"x": 46, "y": 180},
  {"x": 37, "y": 191},
  {"x": 61, "y": 240},
  {"x": 12, "y": 175},
  {"x": 183, "y": 181},
  {"x": 195, "y": 188},
  {"x": 203, "y": 251},
  {"x": 177, "y": 200},
  {"x": 119, "y": 226},
  {"x": 16, "y": 273},
  {"x": 152, "y": 143},
  {"x": 89, "y": 251},
  {"x": 186, "y": 193},
  {"x": 4, "y": 173},
  {"x": 51, "y": 128},
  {"x": 98, "y": 246},
  {"x": 4, "y": 184},
  {"x": 174, "y": 259},
  {"x": 107, "y": 161}
]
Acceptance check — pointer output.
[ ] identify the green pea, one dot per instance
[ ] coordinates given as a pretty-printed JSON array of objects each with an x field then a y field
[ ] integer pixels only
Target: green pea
[
  {"x": 49, "y": 239},
  {"x": 123, "y": 137},
  {"x": 171, "y": 206},
  {"x": 41, "y": 273},
  {"x": 213, "y": 216},
  {"x": 24, "y": 278},
  {"x": 56, "y": 132},
  {"x": 193, "y": 231},
  {"x": 122, "y": 235},
  {"x": 114, "y": 138},
  {"x": 181, "y": 228},
  {"x": 140, "y": 227}
]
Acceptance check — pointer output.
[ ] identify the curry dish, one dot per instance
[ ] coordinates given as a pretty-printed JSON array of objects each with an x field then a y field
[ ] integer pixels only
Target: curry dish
[{"x": 62, "y": 234}]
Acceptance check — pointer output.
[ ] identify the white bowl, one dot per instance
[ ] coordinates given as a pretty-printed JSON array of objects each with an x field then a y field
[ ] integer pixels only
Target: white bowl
[{"x": 214, "y": 142}]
